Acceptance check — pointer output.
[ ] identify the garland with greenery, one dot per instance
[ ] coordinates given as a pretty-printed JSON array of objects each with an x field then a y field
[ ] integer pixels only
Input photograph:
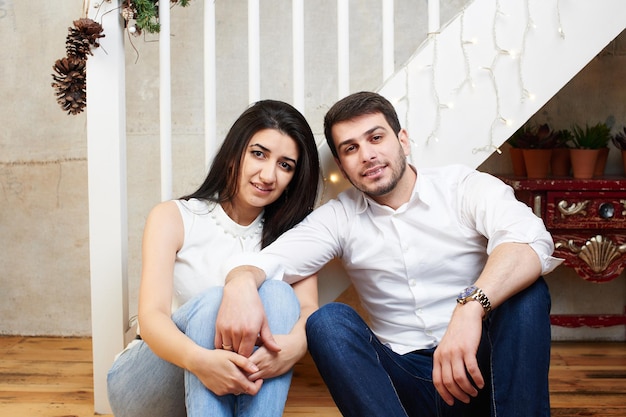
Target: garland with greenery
[
  {"x": 70, "y": 72},
  {"x": 145, "y": 13}
]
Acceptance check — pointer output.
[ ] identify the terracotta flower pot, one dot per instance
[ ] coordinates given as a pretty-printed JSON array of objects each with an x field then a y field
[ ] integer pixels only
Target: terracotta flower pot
[
  {"x": 584, "y": 162},
  {"x": 601, "y": 162},
  {"x": 517, "y": 160},
  {"x": 537, "y": 162},
  {"x": 560, "y": 164}
]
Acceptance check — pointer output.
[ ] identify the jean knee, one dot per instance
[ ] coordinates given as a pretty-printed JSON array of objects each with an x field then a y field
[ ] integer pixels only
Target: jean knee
[
  {"x": 281, "y": 305},
  {"x": 534, "y": 299},
  {"x": 529, "y": 310},
  {"x": 331, "y": 317}
]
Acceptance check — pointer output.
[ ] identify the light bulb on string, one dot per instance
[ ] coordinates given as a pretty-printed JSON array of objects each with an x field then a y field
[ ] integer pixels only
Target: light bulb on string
[
  {"x": 558, "y": 16},
  {"x": 433, "y": 133},
  {"x": 466, "y": 62}
]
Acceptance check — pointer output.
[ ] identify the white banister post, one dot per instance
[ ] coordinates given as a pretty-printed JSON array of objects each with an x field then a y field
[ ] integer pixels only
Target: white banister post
[
  {"x": 165, "y": 100},
  {"x": 298, "y": 54},
  {"x": 254, "y": 51},
  {"x": 210, "y": 84},
  {"x": 106, "y": 167},
  {"x": 343, "y": 48},
  {"x": 434, "y": 19}
]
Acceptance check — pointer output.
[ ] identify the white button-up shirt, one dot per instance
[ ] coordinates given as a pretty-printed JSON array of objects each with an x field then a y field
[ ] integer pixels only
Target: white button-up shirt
[{"x": 409, "y": 265}]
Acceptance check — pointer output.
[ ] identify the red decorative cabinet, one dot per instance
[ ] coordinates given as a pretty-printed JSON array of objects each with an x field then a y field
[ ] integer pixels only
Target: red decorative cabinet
[{"x": 587, "y": 220}]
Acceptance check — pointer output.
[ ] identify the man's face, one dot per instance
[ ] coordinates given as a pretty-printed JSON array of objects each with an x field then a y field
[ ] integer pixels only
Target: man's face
[{"x": 370, "y": 155}]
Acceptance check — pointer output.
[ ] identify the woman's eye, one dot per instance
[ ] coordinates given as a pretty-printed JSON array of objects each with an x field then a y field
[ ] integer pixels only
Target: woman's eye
[
  {"x": 258, "y": 154},
  {"x": 286, "y": 166}
]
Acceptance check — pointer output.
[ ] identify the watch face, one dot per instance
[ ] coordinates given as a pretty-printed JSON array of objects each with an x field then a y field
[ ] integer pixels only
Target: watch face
[{"x": 467, "y": 292}]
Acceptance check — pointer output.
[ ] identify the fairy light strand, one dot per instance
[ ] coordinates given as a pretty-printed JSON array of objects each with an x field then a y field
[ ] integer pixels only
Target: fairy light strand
[
  {"x": 433, "y": 67},
  {"x": 558, "y": 16},
  {"x": 524, "y": 93},
  {"x": 466, "y": 61}
]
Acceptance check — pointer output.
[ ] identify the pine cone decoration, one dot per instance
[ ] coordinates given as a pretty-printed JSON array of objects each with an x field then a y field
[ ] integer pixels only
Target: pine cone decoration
[
  {"x": 82, "y": 37},
  {"x": 70, "y": 84}
]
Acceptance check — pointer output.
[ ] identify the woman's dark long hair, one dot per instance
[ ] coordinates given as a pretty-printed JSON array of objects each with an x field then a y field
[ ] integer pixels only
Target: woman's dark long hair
[{"x": 299, "y": 197}]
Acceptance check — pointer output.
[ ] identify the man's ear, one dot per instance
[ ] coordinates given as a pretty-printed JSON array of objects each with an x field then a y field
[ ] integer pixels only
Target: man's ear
[{"x": 405, "y": 142}]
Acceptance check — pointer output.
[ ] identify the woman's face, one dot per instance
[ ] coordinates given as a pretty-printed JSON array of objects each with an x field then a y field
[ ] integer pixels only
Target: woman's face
[{"x": 268, "y": 165}]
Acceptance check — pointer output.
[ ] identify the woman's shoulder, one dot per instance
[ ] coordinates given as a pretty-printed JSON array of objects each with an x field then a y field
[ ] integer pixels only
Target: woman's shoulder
[
  {"x": 196, "y": 205},
  {"x": 164, "y": 212}
]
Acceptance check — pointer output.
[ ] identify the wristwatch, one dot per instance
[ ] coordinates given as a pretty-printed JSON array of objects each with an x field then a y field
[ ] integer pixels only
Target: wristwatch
[{"x": 473, "y": 293}]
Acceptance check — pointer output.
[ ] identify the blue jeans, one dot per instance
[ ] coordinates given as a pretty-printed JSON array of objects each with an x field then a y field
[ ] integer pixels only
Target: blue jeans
[
  {"x": 367, "y": 378},
  {"x": 140, "y": 384}
]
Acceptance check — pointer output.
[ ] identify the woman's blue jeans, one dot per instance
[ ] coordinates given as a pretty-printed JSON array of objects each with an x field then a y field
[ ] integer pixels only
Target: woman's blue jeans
[
  {"x": 140, "y": 384},
  {"x": 367, "y": 378}
]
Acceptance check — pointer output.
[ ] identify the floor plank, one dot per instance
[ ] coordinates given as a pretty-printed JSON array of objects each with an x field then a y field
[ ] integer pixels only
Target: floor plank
[{"x": 52, "y": 377}]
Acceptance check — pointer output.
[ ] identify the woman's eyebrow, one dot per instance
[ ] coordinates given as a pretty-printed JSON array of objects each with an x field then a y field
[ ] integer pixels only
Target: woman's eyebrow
[{"x": 269, "y": 150}]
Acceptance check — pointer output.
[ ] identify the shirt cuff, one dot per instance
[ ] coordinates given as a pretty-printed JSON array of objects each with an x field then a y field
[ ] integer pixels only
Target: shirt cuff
[{"x": 548, "y": 262}]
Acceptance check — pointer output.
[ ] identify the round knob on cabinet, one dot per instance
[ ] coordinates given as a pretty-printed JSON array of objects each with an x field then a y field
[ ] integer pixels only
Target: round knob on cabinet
[{"x": 606, "y": 210}]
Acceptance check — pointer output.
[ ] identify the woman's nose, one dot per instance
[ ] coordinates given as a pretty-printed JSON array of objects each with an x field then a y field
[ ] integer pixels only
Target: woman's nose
[{"x": 268, "y": 174}]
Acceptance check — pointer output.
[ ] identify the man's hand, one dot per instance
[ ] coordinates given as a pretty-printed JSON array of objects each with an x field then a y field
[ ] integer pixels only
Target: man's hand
[
  {"x": 241, "y": 318},
  {"x": 454, "y": 363}
]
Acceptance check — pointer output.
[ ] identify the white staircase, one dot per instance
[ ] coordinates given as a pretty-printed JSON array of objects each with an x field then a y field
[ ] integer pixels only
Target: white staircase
[
  {"x": 487, "y": 71},
  {"x": 463, "y": 92}
]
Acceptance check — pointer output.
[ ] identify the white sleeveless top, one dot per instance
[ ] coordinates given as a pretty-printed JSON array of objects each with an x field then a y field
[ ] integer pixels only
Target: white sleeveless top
[{"x": 210, "y": 238}]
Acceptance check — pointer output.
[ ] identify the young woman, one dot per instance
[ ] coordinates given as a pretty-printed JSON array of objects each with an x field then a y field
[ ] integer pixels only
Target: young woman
[{"x": 262, "y": 182}]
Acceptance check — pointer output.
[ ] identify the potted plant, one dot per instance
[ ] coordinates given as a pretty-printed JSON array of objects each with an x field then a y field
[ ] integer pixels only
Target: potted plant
[
  {"x": 536, "y": 142},
  {"x": 560, "y": 163},
  {"x": 517, "y": 156},
  {"x": 586, "y": 146},
  {"x": 619, "y": 140}
]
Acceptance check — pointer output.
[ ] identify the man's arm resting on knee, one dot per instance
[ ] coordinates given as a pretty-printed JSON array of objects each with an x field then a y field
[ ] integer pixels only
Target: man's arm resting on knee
[
  {"x": 241, "y": 318},
  {"x": 510, "y": 268}
]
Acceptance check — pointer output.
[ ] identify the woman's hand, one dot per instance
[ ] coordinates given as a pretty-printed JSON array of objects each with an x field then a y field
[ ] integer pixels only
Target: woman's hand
[
  {"x": 224, "y": 372},
  {"x": 272, "y": 364}
]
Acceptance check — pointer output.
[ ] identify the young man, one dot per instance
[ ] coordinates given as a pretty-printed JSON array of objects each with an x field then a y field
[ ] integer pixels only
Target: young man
[{"x": 446, "y": 262}]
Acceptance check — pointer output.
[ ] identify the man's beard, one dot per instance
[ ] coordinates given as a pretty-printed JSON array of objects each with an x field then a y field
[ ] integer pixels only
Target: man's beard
[{"x": 377, "y": 190}]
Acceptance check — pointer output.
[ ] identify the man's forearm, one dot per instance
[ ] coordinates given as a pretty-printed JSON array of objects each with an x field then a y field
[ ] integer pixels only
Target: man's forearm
[
  {"x": 246, "y": 272},
  {"x": 511, "y": 267}
]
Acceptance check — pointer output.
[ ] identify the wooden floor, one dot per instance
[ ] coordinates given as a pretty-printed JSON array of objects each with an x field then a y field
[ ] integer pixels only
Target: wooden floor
[{"x": 52, "y": 377}]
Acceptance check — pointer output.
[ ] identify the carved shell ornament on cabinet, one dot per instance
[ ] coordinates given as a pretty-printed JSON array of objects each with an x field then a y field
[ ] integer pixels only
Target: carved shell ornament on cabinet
[{"x": 597, "y": 252}]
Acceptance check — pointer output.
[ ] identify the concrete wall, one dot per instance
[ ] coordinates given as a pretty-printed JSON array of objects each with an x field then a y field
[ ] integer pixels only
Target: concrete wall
[{"x": 44, "y": 285}]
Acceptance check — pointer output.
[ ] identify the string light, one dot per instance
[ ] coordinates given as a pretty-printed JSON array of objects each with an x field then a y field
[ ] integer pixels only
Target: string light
[
  {"x": 433, "y": 67},
  {"x": 469, "y": 76},
  {"x": 558, "y": 16},
  {"x": 466, "y": 62},
  {"x": 524, "y": 93}
]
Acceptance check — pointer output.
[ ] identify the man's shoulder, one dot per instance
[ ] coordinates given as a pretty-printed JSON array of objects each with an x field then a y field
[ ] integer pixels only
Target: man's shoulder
[
  {"x": 346, "y": 202},
  {"x": 453, "y": 173}
]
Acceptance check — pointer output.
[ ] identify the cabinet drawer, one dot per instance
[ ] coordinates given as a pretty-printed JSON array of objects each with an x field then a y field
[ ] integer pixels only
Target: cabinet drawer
[{"x": 585, "y": 210}]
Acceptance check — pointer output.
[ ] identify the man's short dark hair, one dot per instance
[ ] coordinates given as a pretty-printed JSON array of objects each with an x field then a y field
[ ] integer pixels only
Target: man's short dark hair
[{"x": 355, "y": 105}]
